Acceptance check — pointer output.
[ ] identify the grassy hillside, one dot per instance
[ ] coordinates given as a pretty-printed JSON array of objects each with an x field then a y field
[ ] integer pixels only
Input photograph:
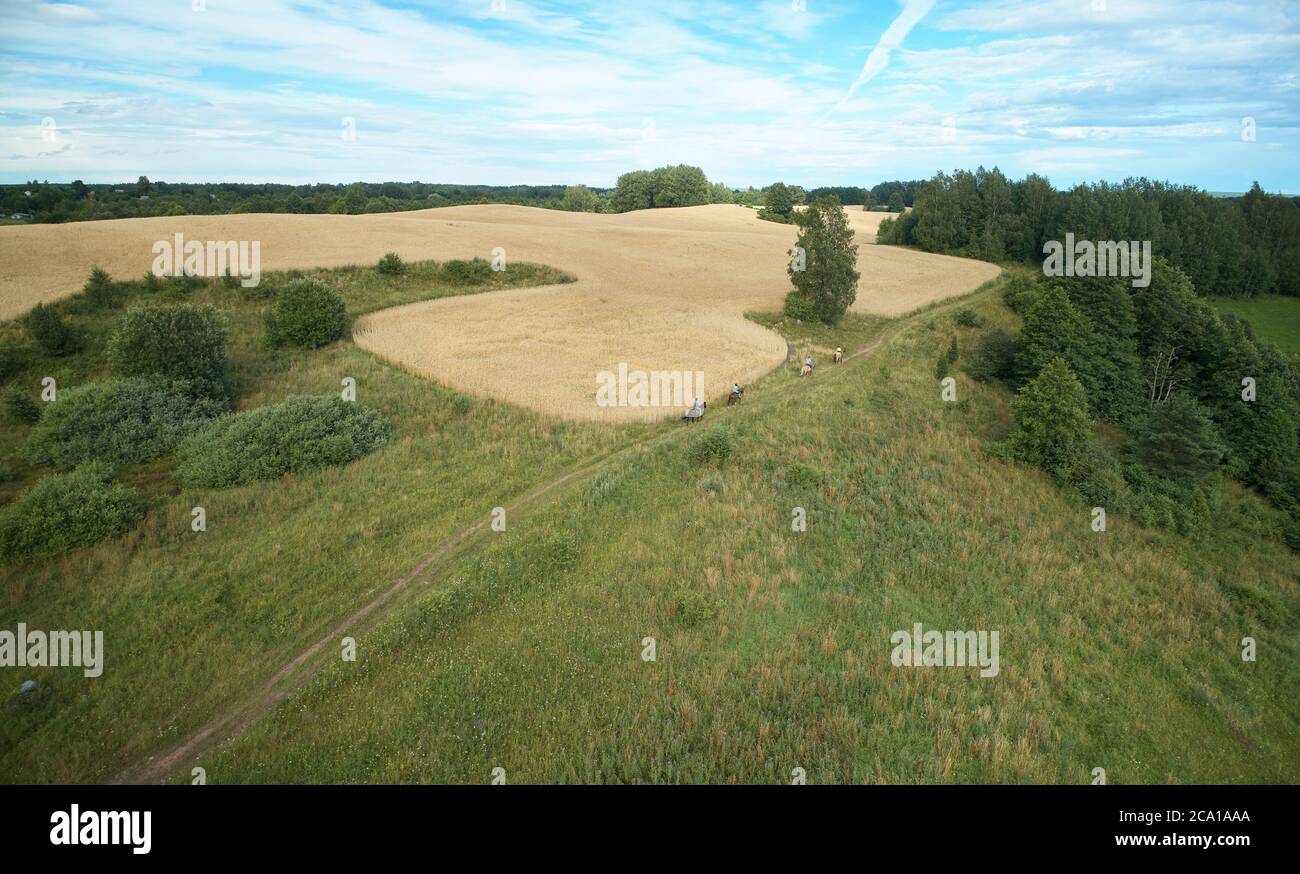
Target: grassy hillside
[
  {"x": 1276, "y": 319},
  {"x": 523, "y": 649},
  {"x": 1119, "y": 649},
  {"x": 191, "y": 620}
]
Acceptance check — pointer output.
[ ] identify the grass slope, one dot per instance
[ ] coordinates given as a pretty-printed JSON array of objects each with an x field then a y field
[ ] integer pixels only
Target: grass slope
[
  {"x": 192, "y": 620},
  {"x": 1275, "y": 319},
  {"x": 1119, "y": 650}
]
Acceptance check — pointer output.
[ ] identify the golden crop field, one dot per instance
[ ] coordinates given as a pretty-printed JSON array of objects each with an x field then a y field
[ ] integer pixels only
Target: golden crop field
[{"x": 659, "y": 290}]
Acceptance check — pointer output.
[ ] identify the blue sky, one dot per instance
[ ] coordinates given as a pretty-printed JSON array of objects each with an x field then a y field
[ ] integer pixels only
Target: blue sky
[{"x": 816, "y": 92}]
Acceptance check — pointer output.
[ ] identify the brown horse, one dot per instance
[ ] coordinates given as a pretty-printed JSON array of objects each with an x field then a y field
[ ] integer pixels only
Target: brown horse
[{"x": 736, "y": 397}]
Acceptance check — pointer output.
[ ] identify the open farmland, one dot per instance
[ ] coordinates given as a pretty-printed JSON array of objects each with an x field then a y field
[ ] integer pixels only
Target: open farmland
[{"x": 662, "y": 290}]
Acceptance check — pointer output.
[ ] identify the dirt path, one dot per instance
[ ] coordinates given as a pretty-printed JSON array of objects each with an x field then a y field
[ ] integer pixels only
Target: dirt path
[
  {"x": 232, "y": 723},
  {"x": 236, "y": 720}
]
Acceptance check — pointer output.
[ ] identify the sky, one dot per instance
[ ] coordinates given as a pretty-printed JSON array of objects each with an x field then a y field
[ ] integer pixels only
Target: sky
[{"x": 811, "y": 92}]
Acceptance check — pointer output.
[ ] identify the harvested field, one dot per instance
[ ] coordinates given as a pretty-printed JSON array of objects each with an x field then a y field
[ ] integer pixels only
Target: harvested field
[{"x": 661, "y": 290}]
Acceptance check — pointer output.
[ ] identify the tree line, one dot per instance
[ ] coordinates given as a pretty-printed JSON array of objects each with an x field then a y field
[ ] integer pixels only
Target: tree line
[
  {"x": 1236, "y": 247},
  {"x": 1185, "y": 392},
  {"x": 681, "y": 185},
  {"x": 43, "y": 202}
]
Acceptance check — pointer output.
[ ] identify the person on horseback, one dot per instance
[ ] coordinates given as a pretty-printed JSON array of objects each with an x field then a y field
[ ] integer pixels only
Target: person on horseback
[{"x": 808, "y": 362}]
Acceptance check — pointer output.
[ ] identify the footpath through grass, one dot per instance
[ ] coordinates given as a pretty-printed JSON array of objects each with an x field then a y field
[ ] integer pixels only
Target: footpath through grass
[
  {"x": 1119, "y": 650},
  {"x": 192, "y": 621}
]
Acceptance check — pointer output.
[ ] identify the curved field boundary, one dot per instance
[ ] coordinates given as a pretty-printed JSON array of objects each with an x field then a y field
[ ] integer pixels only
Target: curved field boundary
[{"x": 234, "y": 721}]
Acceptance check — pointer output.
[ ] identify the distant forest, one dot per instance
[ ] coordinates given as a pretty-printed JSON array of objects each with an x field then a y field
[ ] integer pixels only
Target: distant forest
[
  {"x": 76, "y": 201},
  {"x": 1235, "y": 247},
  {"x": 1232, "y": 246},
  {"x": 52, "y": 203}
]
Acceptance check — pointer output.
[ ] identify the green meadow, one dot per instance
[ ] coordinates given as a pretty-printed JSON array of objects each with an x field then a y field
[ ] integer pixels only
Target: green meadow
[
  {"x": 1276, "y": 319},
  {"x": 529, "y": 649}
]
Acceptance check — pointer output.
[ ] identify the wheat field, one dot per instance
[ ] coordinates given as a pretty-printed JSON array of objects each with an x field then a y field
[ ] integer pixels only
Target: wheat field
[{"x": 659, "y": 290}]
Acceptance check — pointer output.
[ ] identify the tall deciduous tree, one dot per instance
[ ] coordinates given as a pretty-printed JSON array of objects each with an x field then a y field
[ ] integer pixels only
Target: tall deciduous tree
[
  {"x": 829, "y": 280},
  {"x": 779, "y": 198},
  {"x": 579, "y": 198}
]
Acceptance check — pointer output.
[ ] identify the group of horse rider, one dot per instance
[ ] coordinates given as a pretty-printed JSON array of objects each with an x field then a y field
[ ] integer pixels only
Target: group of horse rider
[{"x": 738, "y": 391}]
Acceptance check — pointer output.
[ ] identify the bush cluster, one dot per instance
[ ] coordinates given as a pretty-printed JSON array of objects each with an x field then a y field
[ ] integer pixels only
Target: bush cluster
[
  {"x": 713, "y": 446},
  {"x": 800, "y": 308},
  {"x": 994, "y": 356},
  {"x": 475, "y": 272},
  {"x": 302, "y": 433},
  {"x": 64, "y": 511},
  {"x": 309, "y": 314},
  {"x": 183, "y": 345},
  {"x": 391, "y": 265},
  {"x": 21, "y": 407},
  {"x": 120, "y": 421},
  {"x": 50, "y": 332}
]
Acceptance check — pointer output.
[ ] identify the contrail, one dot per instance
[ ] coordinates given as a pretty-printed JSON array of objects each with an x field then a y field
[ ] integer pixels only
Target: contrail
[{"x": 913, "y": 12}]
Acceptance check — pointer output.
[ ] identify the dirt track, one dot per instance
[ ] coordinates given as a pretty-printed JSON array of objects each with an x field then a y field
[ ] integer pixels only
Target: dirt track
[{"x": 662, "y": 290}]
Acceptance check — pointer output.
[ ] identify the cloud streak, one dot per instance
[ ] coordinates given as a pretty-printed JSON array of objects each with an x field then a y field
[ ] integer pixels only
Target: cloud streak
[
  {"x": 561, "y": 92},
  {"x": 899, "y": 28}
]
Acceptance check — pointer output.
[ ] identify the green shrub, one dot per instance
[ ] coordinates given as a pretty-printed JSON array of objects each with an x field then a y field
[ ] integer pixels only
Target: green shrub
[
  {"x": 184, "y": 345},
  {"x": 474, "y": 272},
  {"x": 693, "y": 607},
  {"x": 994, "y": 356},
  {"x": 21, "y": 407},
  {"x": 50, "y": 331},
  {"x": 302, "y": 433},
  {"x": 308, "y": 314},
  {"x": 967, "y": 318},
  {"x": 121, "y": 421},
  {"x": 1020, "y": 292},
  {"x": 391, "y": 265},
  {"x": 714, "y": 445},
  {"x": 64, "y": 511},
  {"x": 10, "y": 361},
  {"x": 1097, "y": 476},
  {"x": 264, "y": 290},
  {"x": 1051, "y": 421},
  {"x": 799, "y": 307},
  {"x": 941, "y": 366},
  {"x": 802, "y": 476},
  {"x": 100, "y": 290},
  {"x": 7, "y": 474},
  {"x": 952, "y": 351}
]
